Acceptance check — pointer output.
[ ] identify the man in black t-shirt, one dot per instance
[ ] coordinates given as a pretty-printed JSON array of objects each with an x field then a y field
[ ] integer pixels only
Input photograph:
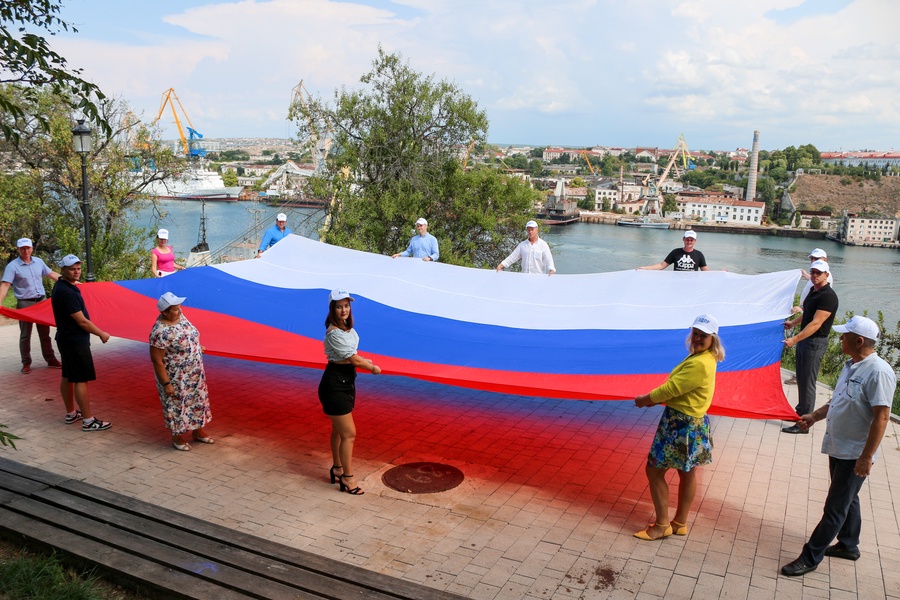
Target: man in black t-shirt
[
  {"x": 684, "y": 259},
  {"x": 819, "y": 309},
  {"x": 73, "y": 338}
]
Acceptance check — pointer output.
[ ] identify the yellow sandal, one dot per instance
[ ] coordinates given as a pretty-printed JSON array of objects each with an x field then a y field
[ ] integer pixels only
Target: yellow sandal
[
  {"x": 679, "y": 528},
  {"x": 643, "y": 535}
]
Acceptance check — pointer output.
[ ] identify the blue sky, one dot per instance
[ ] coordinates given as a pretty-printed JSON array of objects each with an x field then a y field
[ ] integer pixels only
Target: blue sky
[{"x": 563, "y": 72}]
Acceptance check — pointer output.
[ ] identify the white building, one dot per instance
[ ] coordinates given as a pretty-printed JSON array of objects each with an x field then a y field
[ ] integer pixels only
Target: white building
[
  {"x": 868, "y": 231},
  {"x": 715, "y": 209}
]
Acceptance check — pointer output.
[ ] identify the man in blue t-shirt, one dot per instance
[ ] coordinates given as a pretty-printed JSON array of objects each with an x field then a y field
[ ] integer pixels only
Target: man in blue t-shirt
[
  {"x": 684, "y": 258},
  {"x": 25, "y": 274},
  {"x": 274, "y": 234}
]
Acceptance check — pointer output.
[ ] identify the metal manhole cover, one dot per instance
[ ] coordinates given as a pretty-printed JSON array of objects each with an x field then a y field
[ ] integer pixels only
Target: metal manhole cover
[{"x": 422, "y": 478}]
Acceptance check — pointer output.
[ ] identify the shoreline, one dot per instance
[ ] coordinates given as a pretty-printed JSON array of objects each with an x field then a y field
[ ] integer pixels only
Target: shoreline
[{"x": 605, "y": 218}]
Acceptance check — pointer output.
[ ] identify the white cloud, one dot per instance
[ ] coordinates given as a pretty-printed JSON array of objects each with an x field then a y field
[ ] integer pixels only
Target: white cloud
[{"x": 582, "y": 69}]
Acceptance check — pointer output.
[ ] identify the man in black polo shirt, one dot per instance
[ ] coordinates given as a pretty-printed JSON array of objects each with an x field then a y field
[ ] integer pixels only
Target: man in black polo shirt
[
  {"x": 73, "y": 338},
  {"x": 819, "y": 309},
  {"x": 684, "y": 258}
]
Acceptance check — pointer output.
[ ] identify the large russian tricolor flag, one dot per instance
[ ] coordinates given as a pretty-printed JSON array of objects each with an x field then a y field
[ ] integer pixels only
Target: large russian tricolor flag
[{"x": 606, "y": 336}]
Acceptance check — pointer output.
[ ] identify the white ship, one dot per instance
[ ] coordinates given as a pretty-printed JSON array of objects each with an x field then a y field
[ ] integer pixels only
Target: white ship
[{"x": 195, "y": 183}]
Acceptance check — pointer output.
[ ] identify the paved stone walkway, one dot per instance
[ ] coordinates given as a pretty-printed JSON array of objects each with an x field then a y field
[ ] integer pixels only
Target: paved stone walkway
[{"x": 554, "y": 489}]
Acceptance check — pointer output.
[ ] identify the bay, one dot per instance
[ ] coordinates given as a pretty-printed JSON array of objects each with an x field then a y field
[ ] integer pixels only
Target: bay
[{"x": 865, "y": 278}]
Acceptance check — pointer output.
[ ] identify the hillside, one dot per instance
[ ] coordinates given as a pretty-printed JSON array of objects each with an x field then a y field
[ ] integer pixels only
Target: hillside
[{"x": 816, "y": 191}]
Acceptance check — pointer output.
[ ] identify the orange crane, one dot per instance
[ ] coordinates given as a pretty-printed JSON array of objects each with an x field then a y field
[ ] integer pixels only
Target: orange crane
[
  {"x": 468, "y": 152},
  {"x": 190, "y": 143},
  {"x": 588, "y": 161}
]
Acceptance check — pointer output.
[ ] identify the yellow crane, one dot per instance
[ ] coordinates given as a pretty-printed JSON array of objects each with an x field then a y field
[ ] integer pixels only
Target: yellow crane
[
  {"x": 588, "y": 161},
  {"x": 190, "y": 142},
  {"x": 468, "y": 152}
]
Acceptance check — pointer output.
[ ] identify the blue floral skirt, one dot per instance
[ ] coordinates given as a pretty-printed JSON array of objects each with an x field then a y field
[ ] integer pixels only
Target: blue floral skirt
[{"x": 681, "y": 442}]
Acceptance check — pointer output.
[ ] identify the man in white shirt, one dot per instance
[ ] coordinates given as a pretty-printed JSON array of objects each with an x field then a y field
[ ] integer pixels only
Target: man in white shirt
[
  {"x": 533, "y": 252},
  {"x": 856, "y": 420}
]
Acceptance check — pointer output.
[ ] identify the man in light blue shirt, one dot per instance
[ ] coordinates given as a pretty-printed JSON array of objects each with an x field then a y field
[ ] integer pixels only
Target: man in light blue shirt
[
  {"x": 274, "y": 234},
  {"x": 857, "y": 417},
  {"x": 26, "y": 274},
  {"x": 423, "y": 245}
]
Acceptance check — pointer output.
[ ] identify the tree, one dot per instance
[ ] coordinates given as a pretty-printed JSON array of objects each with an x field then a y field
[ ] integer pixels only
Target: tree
[
  {"x": 670, "y": 204},
  {"x": 395, "y": 157},
  {"x": 40, "y": 182},
  {"x": 230, "y": 178},
  {"x": 815, "y": 223},
  {"x": 28, "y": 61}
]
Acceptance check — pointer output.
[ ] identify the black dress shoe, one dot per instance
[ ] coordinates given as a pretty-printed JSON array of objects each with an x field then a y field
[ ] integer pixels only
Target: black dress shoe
[
  {"x": 794, "y": 429},
  {"x": 839, "y": 550},
  {"x": 797, "y": 568}
]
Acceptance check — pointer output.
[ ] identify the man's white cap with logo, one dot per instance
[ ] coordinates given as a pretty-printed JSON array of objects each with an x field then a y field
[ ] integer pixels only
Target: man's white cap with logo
[
  {"x": 706, "y": 324},
  {"x": 862, "y": 326},
  {"x": 690, "y": 233},
  {"x": 820, "y": 265},
  {"x": 168, "y": 300},
  {"x": 339, "y": 294},
  {"x": 68, "y": 260},
  {"x": 818, "y": 253},
  {"x": 281, "y": 217},
  {"x": 531, "y": 224},
  {"x": 22, "y": 242},
  {"x": 163, "y": 234},
  {"x": 421, "y": 221}
]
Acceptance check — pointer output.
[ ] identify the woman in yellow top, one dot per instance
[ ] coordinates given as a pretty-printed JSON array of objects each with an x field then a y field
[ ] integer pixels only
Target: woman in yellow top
[{"x": 682, "y": 441}]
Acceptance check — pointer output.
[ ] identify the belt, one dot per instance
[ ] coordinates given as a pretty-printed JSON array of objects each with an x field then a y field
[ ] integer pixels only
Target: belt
[{"x": 38, "y": 299}]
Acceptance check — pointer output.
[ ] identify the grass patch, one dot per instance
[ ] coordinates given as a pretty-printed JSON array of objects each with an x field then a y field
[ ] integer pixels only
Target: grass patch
[{"x": 29, "y": 577}]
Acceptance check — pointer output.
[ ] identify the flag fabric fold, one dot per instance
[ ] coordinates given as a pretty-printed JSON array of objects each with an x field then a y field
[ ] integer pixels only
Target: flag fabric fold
[{"x": 605, "y": 336}]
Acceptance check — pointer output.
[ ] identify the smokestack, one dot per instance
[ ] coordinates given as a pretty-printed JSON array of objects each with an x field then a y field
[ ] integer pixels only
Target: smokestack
[{"x": 754, "y": 167}]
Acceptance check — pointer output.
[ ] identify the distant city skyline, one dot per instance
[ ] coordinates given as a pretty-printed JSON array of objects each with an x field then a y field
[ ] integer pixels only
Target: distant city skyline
[{"x": 572, "y": 72}]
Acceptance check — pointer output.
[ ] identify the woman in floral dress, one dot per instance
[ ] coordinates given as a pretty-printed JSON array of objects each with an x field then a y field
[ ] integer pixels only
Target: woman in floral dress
[
  {"x": 180, "y": 380},
  {"x": 683, "y": 441}
]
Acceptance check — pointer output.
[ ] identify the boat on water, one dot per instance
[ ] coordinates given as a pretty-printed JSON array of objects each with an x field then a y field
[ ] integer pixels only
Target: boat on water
[
  {"x": 645, "y": 222},
  {"x": 195, "y": 183},
  {"x": 558, "y": 209}
]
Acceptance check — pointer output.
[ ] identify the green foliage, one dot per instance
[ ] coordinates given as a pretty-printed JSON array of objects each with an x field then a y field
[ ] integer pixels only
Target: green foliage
[
  {"x": 43, "y": 578},
  {"x": 815, "y": 223},
  {"x": 670, "y": 204},
  {"x": 6, "y": 438},
  {"x": 28, "y": 61},
  {"x": 40, "y": 184},
  {"x": 230, "y": 178},
  {"x": 395, "y": 157}
]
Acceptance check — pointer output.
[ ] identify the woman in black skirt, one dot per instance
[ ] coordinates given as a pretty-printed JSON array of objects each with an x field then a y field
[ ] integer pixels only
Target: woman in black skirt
[{"x": 337, "y": 390}]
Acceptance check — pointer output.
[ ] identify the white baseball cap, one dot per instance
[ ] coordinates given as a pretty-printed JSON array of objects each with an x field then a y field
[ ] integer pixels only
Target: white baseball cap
[
  {"x": 167, "y": 300},
  {"x": 163, "y": 234},
  {"x": 281, "y": 217},
  {"x": 818, "y": 253},
  {"x": 862, "y": 326},
  {"x": 421, "y": 221},
  {"x": 339, "y": 294},
  {"x": 706, "y": 324},
  {"x": 22, "y": 242},
  {"x": 68, "y": 260},
  {"x": 690, "y": 233},
  {"x": 531, "y": 224},
  {"x": 820, "y": 265}
]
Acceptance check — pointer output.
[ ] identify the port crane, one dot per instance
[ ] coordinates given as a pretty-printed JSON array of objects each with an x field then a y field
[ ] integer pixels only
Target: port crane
[
  {"x": 588, "y": 161},
  {"x": 652, "y": 204},
  {"x": 319, "y": 147},
  {"x": 190, "y": 142}
]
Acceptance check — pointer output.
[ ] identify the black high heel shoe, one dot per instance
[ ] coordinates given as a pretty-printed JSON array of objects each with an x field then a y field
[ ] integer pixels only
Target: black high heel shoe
[
  {"x": 346, "y": 488},
  {"x": 331, "y": 472}
]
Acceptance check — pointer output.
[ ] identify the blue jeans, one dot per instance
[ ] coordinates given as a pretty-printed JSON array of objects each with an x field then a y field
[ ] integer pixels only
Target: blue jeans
[
  {"x": 841, "y": 517},
  {"x": 809, "y": 357}
]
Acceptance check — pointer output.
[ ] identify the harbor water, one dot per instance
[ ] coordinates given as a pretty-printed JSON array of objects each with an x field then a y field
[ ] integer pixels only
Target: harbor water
[{"x": 865, "y": 278}]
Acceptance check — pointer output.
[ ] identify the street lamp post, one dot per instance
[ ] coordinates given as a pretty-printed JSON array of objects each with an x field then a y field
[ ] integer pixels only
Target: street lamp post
[{"x": 81, "y": 137}]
